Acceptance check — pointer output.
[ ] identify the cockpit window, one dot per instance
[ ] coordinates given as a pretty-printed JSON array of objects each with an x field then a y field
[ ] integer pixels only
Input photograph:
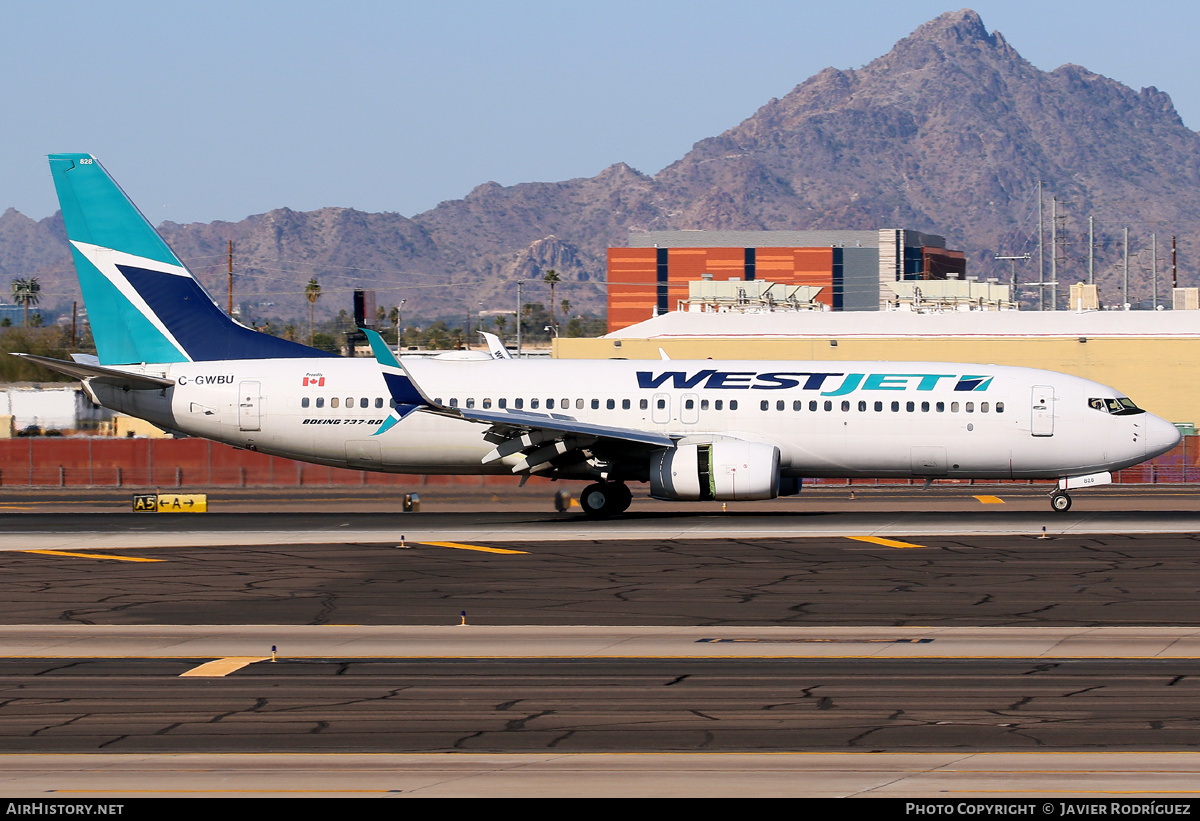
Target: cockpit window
[{"x": 1117, "y": 407}]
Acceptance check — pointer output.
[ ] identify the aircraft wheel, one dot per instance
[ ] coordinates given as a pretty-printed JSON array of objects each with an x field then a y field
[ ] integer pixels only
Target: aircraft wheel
[
  {"x": 1060, "y": 502},
  {"x": 622, "y": 497},
  {"x": 596, "y": 501}
]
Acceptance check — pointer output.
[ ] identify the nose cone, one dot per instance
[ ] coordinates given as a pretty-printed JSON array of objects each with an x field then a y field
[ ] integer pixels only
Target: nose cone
[{"x": 1161, "y": 436}]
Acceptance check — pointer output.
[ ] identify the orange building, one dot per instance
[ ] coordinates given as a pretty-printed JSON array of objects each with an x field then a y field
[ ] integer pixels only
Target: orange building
[{"x": 852, "y": 268}]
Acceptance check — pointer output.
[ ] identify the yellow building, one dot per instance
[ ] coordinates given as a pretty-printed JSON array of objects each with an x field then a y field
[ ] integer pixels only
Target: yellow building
[{"x": 1152, "y": 357}]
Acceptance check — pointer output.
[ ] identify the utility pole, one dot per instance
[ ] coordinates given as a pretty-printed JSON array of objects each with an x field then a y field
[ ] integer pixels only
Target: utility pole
[
  {"x": 519, "y": 282},
  {"x": 1091, "y": 250},
  {"x": 1174, "y": 278},
  {"x": 1153, "y": 274},
  {"x": 1041, "y": 253},
  {"x": 1125, "y": 280},
  {"x": 231, "y": 277},
  {"x": 1054, "y": 253}
]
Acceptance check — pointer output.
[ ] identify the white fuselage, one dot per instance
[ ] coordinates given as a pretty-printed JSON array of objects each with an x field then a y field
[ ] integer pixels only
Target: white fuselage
[{"x": 828, "y": 419}]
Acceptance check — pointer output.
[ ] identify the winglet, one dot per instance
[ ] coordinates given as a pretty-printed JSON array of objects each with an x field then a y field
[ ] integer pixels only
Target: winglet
[
  {"x": 495, "y": 346},
  {"x": 383, "y": 354},
  {"x": 405, "y": 397}
]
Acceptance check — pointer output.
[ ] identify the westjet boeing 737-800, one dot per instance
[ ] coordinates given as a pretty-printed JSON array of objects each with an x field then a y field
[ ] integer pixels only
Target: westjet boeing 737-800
[{"x": 693, "y": 430}]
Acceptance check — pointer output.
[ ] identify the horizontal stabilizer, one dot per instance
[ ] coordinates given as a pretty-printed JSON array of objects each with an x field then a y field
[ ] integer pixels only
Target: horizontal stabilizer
[{"x": 98, "y": 373}]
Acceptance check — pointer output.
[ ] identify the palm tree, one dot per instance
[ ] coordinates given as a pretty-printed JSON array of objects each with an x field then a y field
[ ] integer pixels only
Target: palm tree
[
  {"x": 312, "y": 292},
  {"x": 551, "y": 277},
  {"x": 25, "y": 292}
]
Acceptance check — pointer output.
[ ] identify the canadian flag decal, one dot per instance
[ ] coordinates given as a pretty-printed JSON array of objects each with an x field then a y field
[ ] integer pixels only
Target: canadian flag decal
[{"x": 316, "y": 381}]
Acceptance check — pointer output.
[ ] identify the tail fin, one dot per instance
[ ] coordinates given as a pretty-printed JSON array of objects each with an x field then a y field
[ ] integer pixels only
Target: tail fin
[{"x": 143, "y": 303}]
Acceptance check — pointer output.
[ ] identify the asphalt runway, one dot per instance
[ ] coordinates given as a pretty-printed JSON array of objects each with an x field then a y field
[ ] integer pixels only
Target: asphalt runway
[
  {"x": 919, "y": 673},
  {"x": 989, "y": 579}
]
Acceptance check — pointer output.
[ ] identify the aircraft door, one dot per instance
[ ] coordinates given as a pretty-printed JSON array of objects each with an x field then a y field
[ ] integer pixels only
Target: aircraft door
[
  {"x": 249, "y": 406},
  {"x": 1043, "y": 410},
  {"x": 689, "y": 409},
  {"x": 660, "y": 408}
]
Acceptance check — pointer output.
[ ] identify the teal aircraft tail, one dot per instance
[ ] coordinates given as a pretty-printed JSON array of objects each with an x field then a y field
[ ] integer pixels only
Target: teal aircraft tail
[{"x": 143, "y": 303}]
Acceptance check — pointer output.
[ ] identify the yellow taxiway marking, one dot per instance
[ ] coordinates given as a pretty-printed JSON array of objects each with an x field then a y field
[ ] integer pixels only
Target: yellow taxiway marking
[
  {"x": 480, "y": 548},
  {"x": 990, "y": 500},
  {"x": 91, "y": 556},
  {"x": 222, "y": 667},
  {"x": 884, "y": 542}
]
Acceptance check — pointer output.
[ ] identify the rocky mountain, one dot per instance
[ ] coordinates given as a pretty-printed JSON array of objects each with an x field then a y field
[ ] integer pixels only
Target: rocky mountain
[{"x": 947, "y": 133}]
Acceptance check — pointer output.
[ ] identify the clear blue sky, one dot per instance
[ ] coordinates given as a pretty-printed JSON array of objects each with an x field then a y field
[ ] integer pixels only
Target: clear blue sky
[{"x": 217, "y": 110}]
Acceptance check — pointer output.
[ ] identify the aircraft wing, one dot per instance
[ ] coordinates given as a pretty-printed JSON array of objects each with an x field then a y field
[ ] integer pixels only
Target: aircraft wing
[
  {"x": 97, "y": 373},
  {"x": 542, "y": 442},
  {"x": 532, "y": 442}
]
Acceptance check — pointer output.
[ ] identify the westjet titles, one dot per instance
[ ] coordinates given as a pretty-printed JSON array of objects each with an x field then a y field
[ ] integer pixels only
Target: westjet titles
[{"x": 782, "y": 380}]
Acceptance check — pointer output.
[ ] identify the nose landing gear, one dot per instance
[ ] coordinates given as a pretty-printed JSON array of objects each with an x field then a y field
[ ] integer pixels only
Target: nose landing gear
[{"x": 1060, "y": 501}]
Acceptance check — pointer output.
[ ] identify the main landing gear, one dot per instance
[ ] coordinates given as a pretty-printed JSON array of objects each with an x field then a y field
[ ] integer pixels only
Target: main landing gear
[
  {"x": 604, "y": 499},
  {"x": 1060, "y": 501}
]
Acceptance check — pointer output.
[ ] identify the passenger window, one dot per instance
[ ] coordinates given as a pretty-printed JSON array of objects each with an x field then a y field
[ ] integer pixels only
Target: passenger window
[
  {"x": 487, "y": 403},
  {"x": 533, "y": 404},
  {"x": 763, "y": 405},
  {"x": 471, "y": 403},
  {"x": 549, "y": 404},
  {"x": 349, "y": 401},
  {"x": 304, "y": 401},
  {"x": 320, "y": 401},
  {"x": 703, "y": 404},
  {"x": 970, "y": 407},
  {"x": 983, "y": 407},
  {"x": 941, "y": 407},
  {"x": 364, "y": 402},
  {"x": 878, "y": 407},
  {"x": 924, "y": 407},
  {"x": 779, "y": 405},
  {"x": 954, "y": 407},
  {"x": 797, "y": 405},
  {"x": 624, "y": 404},
  {"x": 910, "y": 406},
  {"x": 812, "y": 406},
  {"x": 862, "y": 406},
  {"x": 733, "y": 404},
  {"x": 579, "y": 404},
  {"x": 719, "y": 404},
  {"x": 502, "y": 403},
  {"x": 595, "y": 404},
  {"x": 662, "y": 403},
  {"x": 379, "y": 401},
  {"x": 999, "y": 407},
  {"x": 453, "y": 402},
  {"x": 689, "y": 404},
  {"x": 845, "y": 406},
  {"x": 828, "y": 405},
  {"x": 611, "y": 404},
  {"x": 333, "y": 403},
  {"x": 518, "y": 403},
  {"x": 895, "y": 407}
]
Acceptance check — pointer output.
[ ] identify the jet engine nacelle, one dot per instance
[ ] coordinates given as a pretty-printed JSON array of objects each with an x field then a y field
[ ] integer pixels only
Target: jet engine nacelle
[{"x": 725, "y": 470}]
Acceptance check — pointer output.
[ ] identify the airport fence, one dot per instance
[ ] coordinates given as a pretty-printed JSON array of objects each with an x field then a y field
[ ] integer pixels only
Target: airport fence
[{"x": 93, "y": 461}]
